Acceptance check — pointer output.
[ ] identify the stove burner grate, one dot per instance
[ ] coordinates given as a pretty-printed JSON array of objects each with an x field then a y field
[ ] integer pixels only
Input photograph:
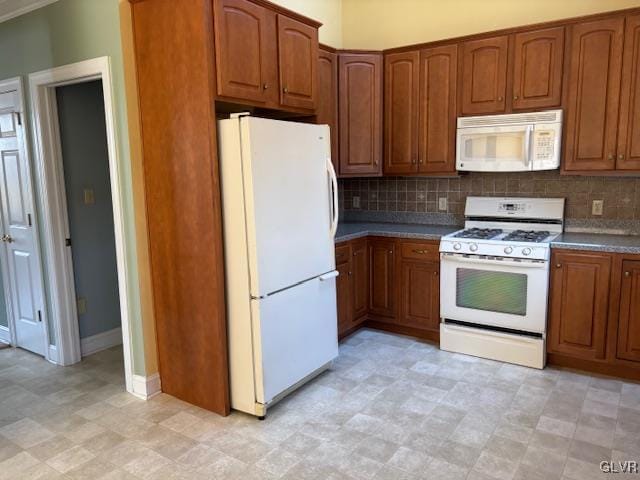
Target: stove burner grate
[
  {"x": 479, "y": 233},
  {"x": 526, "y": 236}
]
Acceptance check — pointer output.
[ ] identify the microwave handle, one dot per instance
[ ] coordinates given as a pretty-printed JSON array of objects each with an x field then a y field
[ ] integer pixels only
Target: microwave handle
[{"x": 528, "y": 146}]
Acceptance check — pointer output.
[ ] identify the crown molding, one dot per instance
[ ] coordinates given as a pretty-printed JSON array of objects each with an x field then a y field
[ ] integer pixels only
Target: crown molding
[{"x": 14, "y": 8}]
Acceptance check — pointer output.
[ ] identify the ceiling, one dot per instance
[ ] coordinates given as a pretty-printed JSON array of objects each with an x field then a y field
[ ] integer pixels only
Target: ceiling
[{"x": 14, "y": 8}]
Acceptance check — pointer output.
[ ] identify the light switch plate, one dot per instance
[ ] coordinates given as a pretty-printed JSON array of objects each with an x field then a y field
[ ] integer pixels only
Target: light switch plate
[
  {"x": 82, "y": 306},
  {"x": 356, "y": 202},
  {"x": 442, "y": 204},
  {"x": 597, "y": 207},
  {"x": 89, "y": 196}
]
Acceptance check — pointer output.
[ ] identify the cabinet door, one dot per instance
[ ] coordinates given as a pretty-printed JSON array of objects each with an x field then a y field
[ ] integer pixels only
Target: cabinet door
[
  {"x": 401, "y": 72},
  {"x": 629, "y": 321},
  {"x": 344, "y": 294},
  {"x": 537, "y": 69},
  {"x": 484, "y": 75},
  {"x": 438, "y": 111},
  {"x": 593, "y": 95},
  {"x": 381, "y": 279},
  {"x": 242, "y": 45},
  {"x": 327, "y": 108},
  {"x": 420, "y": 295},
  {"x": 579, "y": 304},
  {"x": 298, "y": 59},
  {"x": 629, "y": 127},
  {"x": 360, "y": 280},
  {"x": 360, "y": 121}
]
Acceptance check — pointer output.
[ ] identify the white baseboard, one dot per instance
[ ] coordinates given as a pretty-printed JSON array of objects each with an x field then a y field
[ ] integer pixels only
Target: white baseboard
[
  {"x": 146, "y": 387},
  {"x": 53, "y": 354},
  {"x": 101, "y": 341},
  {"x": 5, "y": 336}
]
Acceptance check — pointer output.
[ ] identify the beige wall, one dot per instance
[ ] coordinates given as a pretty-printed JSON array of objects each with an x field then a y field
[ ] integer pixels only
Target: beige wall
[
  {"x": 378, "y": 24},
  {"x": 329, "y": 12}
]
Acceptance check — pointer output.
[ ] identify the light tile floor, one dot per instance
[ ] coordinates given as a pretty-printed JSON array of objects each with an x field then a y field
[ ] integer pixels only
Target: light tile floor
[{"x": 392, "y": 408}]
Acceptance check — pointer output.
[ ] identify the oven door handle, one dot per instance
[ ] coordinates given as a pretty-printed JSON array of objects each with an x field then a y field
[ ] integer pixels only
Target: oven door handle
[{"x": 500, "y": 263}]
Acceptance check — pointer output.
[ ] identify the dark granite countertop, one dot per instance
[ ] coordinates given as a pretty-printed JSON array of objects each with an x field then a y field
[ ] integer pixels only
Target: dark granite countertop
[{"x": 574, "y": 241}]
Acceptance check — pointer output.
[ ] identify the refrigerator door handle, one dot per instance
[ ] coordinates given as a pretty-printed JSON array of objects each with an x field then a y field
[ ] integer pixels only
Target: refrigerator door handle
[
  {"x": 334, "y": 207},
  {"x": 328, "y": 276}
]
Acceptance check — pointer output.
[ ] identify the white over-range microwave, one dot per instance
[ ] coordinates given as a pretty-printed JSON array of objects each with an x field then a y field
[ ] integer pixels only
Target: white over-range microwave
[{"x": 520, "y": 142}]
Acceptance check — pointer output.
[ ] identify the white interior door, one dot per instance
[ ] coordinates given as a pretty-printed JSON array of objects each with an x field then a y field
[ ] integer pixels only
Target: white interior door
[{"x": 19, "y": 243}]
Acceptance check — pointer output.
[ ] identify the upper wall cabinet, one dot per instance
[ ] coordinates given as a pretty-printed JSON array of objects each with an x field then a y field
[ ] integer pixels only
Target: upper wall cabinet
[
  {"x": 437, "y": 111},
  {"x": 537, "y": 69},
  {"x": 327, "y": 109},
  {"x": 360, "y": 120},
  {"x": 298, "y": 58},
  {"x": 629, "y": 126},
  {"x": 593, "y": 103},
  {"x": 263, "y": 57},
  {"x": 484, "y": 75},
  {"x": 528, "y": 78},
  {"x": 401, "y": 75},
  {"x": 420, "y": 111}
]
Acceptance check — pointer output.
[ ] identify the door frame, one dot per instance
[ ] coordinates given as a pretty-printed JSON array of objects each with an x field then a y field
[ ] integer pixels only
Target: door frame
[
  {"x": 53, "y": 207},
  {"x": 8, "y": 85}
]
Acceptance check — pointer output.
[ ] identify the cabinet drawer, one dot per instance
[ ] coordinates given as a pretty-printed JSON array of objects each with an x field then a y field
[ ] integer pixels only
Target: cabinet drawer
[
  {"x": 420, "y": 250},
  {"x": 342, "y": 254}
]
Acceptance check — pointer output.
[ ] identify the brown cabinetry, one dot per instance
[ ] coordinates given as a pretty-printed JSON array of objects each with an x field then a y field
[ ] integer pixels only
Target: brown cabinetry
[
  {"x": 352, "y": 284},
  {"x": 382, "y": 284},
  {"x": 628, "y": 347},
  {"x": 327, "y": 103},
  {"x": 360, "y": 114},
  {"x": 595, "y": 69},
  {"x": 401, "y": 90},
  {"x": 420, "y": 111},
  {"x": 264, "y": 56},
  {"x": 437, "y": 110},
  {"x": 298, "y": 59},
  {"x": 419, "y": 286},
  {"x": 629, "y": 126},
  {"x": 579, "y": 304},
  {"x": 484, "y": 75},
  {"x": 537, "y": 69}
]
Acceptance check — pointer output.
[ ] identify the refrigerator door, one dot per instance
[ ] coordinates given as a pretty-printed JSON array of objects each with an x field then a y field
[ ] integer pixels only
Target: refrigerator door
[
  {"x": 295, "y": 333},
  {"x": 289, "y": 206}
]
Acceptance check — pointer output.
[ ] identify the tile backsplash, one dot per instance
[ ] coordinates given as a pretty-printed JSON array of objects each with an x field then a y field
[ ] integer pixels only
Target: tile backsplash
[{"x": 621, "y": 196}]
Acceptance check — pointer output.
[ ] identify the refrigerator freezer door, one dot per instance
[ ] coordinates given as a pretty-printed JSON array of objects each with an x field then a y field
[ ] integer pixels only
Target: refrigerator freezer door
[
  {"x": 295, "y": 333},
  {"x": 288, "y": 202}
]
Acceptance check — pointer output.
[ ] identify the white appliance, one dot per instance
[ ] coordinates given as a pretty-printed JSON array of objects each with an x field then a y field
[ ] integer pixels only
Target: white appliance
[
  {"x": 495, "y": 279},
  {"x": 280, "y": 215},
  {"x": 517, "y": 142}
]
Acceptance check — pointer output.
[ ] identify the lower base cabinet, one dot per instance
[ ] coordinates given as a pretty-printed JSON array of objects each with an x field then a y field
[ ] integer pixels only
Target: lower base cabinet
[
  {"x": 594, "y": 312},
  {"x": 389, "y": 284}
]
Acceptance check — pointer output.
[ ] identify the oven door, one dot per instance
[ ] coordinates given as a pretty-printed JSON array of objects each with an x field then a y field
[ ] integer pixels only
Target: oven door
[
  {"x": 494, "y": 149},
  {"x": 508, "y": 293}
]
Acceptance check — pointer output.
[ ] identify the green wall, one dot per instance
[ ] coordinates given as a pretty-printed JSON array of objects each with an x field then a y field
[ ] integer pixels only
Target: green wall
[{"x": 70, "y": 31}]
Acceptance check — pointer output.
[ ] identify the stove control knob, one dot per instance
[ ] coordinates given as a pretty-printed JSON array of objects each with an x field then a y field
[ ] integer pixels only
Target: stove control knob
[
  {"x": 508, "y": 250},
  {"x": 457, "y": 246},
  {"x": 526, "y": 251},
  {"x": 473, "y": 247}
]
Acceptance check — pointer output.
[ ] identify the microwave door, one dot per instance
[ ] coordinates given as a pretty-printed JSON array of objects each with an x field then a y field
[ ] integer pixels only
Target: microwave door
[{"x": 494, "y": 149}]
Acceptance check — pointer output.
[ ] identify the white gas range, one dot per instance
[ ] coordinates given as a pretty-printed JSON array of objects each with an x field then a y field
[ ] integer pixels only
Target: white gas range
[{"x": 495, "y": 279}]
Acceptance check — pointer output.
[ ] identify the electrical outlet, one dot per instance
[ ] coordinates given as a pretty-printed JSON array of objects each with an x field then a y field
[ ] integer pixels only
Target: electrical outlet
[
  {"x": 356, "y": 202},
  {"x": 597, "y": 207},
  {"x": 442, "y": 204}
]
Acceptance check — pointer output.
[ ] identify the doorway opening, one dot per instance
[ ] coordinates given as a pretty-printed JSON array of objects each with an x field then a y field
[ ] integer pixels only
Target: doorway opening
[{"x": 81, "y": 209}]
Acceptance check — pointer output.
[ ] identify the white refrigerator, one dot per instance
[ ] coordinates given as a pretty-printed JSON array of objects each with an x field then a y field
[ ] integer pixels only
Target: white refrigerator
[{"x": 280, "y": 214}]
